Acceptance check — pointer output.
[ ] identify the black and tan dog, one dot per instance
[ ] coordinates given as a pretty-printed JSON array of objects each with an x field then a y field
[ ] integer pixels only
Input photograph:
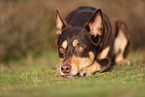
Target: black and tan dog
[{"x": 87, "y": 42}]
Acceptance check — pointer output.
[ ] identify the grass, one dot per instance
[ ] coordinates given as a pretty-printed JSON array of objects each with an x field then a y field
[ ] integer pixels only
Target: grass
[{"x": 35, "y": 77}]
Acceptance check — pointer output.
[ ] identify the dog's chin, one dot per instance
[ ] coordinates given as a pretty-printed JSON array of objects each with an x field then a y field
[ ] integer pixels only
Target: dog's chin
[{"x": 68, "y": 74}]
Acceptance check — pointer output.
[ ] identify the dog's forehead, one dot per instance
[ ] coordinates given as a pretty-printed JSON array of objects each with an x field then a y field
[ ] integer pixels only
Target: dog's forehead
[{"x": 74, "y": 36}]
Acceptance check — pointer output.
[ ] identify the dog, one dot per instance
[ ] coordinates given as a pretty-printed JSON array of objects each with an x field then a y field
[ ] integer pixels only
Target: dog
[{"x": 89, "y": 42}]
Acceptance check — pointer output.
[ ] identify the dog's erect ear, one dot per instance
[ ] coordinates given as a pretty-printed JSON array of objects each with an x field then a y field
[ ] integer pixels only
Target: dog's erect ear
[
  {"x": 60, "y": 23},
  {"x": 95, "y": 24}
]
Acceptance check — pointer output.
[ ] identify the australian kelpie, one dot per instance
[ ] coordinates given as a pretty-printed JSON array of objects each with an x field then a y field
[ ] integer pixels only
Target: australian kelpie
[{"x": 88, "y": 42}]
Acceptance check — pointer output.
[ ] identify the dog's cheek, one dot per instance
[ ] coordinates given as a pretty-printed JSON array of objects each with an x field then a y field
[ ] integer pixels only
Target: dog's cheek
[
  {"x": 74, "y": 70},
  {"x": 60, "y": 55},
  {"x": 74, "y": 65},
  {"x": 81, "y": 62},
  {"x": 85, "y": 62}
]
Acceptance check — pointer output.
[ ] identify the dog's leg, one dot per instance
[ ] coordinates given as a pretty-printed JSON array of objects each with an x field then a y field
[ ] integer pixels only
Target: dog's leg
[
  {"x": 127, "y": 49},
  {"x": 120, "y": 45},
  {"x": 122, "y": 42},
  {"x": 101, "y": 65}
]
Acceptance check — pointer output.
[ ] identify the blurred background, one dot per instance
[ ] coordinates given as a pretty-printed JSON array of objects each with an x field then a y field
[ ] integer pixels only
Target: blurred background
[{"x": 28, "y": 26}]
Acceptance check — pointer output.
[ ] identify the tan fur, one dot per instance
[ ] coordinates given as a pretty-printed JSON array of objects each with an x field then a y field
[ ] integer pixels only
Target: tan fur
[
  {"x": 64, "y": 44},
  {"x": 80, "y": 63},
  {"x": 92, "y": 69},
  {"x": 104, "y": 53},
  {"x": 75, "y": 42},
  {"x": 119, "y": 47}
]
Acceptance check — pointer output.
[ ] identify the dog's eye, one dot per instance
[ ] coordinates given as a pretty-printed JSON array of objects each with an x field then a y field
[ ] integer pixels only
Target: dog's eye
[
  {"x": 79, "y": 48},
  {"x": 61, "y": 49}
]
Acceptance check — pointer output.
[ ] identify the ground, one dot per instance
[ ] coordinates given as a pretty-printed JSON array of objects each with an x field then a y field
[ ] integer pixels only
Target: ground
[{"x": 35, "y": 77}]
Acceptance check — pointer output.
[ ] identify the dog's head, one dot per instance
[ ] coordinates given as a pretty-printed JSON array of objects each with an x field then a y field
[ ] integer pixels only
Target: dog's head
[{"x": 77, "y": 46}]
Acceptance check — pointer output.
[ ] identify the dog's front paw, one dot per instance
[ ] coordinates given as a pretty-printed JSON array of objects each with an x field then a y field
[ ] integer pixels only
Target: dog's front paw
[{"x": 85, "y": 72}]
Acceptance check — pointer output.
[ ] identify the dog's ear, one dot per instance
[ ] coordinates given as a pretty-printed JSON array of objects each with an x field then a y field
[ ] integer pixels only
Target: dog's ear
[
  {"x": 60, "y": 23},
  {"x": 95, "y": 24}
]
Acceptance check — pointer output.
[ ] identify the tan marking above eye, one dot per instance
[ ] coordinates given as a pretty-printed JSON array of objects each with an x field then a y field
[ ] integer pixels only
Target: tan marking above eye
[
  {"x": 75, "y": 42},
  {"x": 64, "y": 44}
]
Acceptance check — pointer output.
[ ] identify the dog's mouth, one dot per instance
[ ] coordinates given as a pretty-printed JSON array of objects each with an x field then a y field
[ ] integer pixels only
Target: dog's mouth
[
  {"x": 69, "y": 75},
  {"x": 72, "y": 73}
]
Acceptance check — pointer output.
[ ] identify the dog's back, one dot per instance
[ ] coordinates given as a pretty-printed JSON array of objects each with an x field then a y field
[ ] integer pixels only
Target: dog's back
[{"x": 80, "y": 16}]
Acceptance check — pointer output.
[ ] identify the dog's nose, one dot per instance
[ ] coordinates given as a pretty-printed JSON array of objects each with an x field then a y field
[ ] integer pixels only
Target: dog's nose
[{"x": 65, "y": 68}]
